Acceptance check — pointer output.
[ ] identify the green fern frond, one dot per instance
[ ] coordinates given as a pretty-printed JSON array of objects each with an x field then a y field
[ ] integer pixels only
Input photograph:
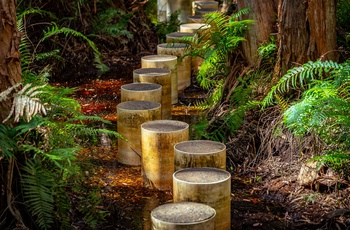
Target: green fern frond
[
  {"x": 62, "y": 202},
  {"x": 300, "y": 77},
  {"x": 240, "y": 13},
  {"x": 36, "y": 11},
  {"x": 112, "y": 22},
  {"x": 89, "y": 207},
  {"x": 55, "y": 30},
  {"x": 38, "y": 193},
  {"x": 8, "y": 145},
  {"x": 283, "y": 103}
]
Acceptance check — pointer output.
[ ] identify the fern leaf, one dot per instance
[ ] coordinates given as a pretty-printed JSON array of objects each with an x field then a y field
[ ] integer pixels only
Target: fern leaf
[
  {"x": 305, "y": 73},
  {"x": 38, "y": 193}
]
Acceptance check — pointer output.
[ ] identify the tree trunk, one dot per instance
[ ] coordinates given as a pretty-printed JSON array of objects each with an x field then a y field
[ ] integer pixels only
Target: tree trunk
[
  {"x": 264, "y": 15},
  {"x": 10, "y": 65},
  {"x": 306, "y": 32}
]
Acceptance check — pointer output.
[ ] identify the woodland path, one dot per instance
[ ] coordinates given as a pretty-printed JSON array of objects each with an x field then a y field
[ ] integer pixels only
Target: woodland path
[{"x": 260, "y": 197}]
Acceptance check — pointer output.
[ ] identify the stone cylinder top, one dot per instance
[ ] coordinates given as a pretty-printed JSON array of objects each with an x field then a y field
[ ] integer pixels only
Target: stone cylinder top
[
  {"x": 139, "y": 105},
  {"x": 164, "y": 126},
  {"x": 200, "y": 146},
  {"x": 202, "y": 175},
  {"x": 183, "y": 212}
]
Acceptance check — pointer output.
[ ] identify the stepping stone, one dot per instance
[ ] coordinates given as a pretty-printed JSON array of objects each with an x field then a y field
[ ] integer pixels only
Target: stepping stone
[
  {"x": 209, "y": 186},
  {"x": 157, "y": 143},
  {"x": 183, "y": 65},
  {"x": 200, "y": 153},
  {"x": 159, "y": 76},
  {"x": 141, "y": 92},
  {"x": 167, "y": 62},
  {"x": 131, "y": 114},
  {"x": 183, "y": 216}
]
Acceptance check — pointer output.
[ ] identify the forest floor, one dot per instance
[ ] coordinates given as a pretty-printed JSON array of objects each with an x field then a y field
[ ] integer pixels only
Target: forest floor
[{"x": 266, "y": 196}]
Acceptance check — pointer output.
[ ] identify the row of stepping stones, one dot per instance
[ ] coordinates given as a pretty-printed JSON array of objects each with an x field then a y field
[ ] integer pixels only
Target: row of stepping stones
[{"x": 194, "y": 170}]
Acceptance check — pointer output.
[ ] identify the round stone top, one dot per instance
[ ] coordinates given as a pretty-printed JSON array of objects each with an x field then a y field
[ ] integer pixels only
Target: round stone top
[
  {"x": 141, "y": 87},
  {"x": 183, "y": 213},
  {"x": 200, "y": 147},
  {"x": 206, "y": 11},
  {"x": 152, "y": 71},
  {"x": 139, "y": 105},
  {"x": 195, "y": 26},
  {"x": 179, "y": 35},
  {"x": 159, "y": 57},
  {"x": 173, "y": 45},
  {"x": 196, "y": 18},
  {"x": 205, "y": 3},
  {"x": 202, "y": 175},
  {"x": 164, "y": 126}
]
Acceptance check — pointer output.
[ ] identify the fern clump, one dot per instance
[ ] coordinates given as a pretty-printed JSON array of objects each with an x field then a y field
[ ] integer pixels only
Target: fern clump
[{"x": 323, "y": 109}]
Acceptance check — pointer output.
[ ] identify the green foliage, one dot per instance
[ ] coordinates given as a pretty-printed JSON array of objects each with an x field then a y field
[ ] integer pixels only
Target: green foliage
[
  {"x": 112, "y": 22},
  {"x": 337, "y": 160},
  {"x": 89, "y": 207},
  {"x": 151, "y": 11},
  {"x": 55, "y": 30},
  {"x": 300, "y": 77},
  {"x": 38, "y": 192},
  {"x": 322, "y": 110},
  {"x": 216, "y": 43},
  {"x": 168, "y": 26},
  {"x": 268, "y": 52}
]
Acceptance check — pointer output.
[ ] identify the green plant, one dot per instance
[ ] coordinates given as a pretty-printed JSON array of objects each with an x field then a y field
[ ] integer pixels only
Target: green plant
[
  {"x": 168, "y": 26},
  {"x": 300, "y": 77},
  {"x": 268, "y": 51},
  {"x": 112, "y": 22},
  {"x": 89, "y": 207},
  {"x": 215, "y": 44},
  {"x": 323, "y": 109},
  {"x": 55, "y": 30}
]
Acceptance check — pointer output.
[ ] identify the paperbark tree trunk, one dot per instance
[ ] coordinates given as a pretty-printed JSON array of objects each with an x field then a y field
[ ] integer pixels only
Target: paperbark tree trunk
[
  {"x": 264, "y": 14},
  {"x": 306, "y": 31},
  {"x": 10, "y": 65}
]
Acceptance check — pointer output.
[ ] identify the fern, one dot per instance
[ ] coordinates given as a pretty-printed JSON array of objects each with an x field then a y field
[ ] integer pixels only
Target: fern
[
  {"x": 8, "y": 145},
  {"x": 89, "y": 207},
  {"x": 38, "y": 193},
  {"x": 112, "y": 22},
  {"x": 55, "y": 30},
  {"x": 25, "y": 104},
  {"x": 300, "y": 77}
]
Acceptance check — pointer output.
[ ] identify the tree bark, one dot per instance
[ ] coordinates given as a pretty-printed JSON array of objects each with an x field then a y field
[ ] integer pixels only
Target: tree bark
[
  {"x": 306, "y": 31},
  {"x": 10, "y": 65},
  {"x": 264, "y": 15}
]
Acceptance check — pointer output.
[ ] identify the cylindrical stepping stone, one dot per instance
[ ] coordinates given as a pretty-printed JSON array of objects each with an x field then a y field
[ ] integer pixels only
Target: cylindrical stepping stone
[
  {"x": 193, "y": 28},
  {"x": 203, "y": 12},
  {"x": 141, "y": 92},
  {"x": 183, "y": 65},
  {"x": 167, "y": 62},
  {"x": 204, "y": 5},
  {"x": 178, "y": 37},
  {"x": 131, "y": 114},
  {"x": 159, "y": 76},
  {"x": 200, "y": 153},
  {"x": 183, "y": 216},
  {"x": 209, "y": 186},
  {"x": 195, "y": 19},
  {"x": 157, "y": 143}
]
